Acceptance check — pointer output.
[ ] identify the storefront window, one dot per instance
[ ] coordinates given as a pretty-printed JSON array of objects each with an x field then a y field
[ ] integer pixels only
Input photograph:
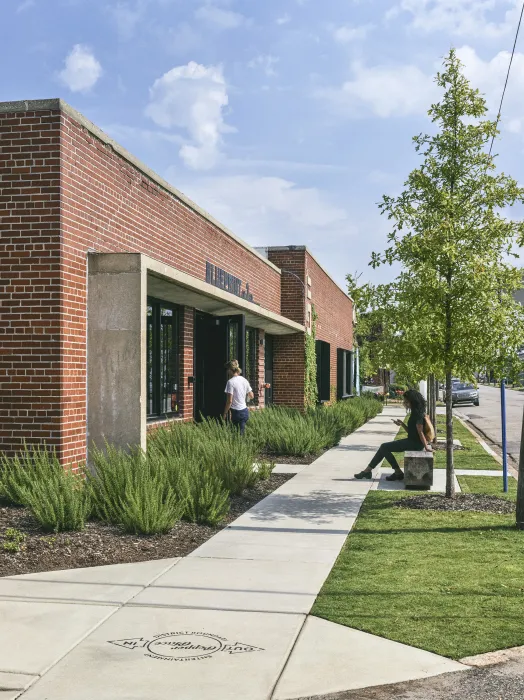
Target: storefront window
[
  {"x": 323, "y": 352},
  {"x": 344, "y": 373},
  {"x": 232, "y": 348},
  {"x": 162, "y": 359}
]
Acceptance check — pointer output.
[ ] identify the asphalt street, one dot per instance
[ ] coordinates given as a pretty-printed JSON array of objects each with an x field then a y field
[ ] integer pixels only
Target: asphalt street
[{"x": 487, "y": 418}]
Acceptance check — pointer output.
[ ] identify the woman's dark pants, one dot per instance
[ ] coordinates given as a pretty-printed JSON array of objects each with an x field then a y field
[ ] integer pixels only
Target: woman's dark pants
[
  {"x": 385, "y": 451},
  {"x": 240, "y": 418}
]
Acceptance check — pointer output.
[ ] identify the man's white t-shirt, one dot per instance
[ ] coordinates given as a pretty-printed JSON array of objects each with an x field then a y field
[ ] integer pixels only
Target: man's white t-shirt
[{"x": 239, "y": 387}]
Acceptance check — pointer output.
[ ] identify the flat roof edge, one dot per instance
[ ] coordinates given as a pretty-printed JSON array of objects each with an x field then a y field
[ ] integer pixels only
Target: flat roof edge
[{"x": 57, "y": 104}]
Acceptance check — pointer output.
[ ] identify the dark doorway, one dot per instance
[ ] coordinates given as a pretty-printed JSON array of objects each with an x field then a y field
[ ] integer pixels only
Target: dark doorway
[
  {"x": 268, "y": 369},
  {"x": 217, "y": 340}
]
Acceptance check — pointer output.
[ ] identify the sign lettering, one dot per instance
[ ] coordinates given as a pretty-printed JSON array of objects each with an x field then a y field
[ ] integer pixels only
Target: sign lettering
[{"x": 229, "y": 283}]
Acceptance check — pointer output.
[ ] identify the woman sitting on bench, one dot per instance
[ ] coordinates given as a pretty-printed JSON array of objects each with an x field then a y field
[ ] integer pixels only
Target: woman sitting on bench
[{"x": 416, "y": 439}]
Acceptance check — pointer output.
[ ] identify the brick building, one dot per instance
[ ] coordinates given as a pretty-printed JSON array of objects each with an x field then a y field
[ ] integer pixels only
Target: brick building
[{"x": 121, "y": 300}]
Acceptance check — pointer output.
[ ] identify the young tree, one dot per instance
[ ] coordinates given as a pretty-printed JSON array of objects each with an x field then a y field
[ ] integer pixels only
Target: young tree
[{"x": 452, "y": 303}]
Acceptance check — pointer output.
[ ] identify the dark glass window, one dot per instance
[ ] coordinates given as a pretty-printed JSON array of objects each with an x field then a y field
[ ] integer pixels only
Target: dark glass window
[
  {"x": 250, "y": 371},
  {"x": 344, "y": 373},
  {"x": 323, "y": 352},
  {"x": 268, "y": 361},
  {"x": 232, "y": 348},
  {"x": 162, "y": 359}
]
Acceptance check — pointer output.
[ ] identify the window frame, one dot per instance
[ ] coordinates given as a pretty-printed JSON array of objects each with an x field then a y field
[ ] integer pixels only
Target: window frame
[
  {"x": 154, "y": 371},
  {"x": 345, "y": 374},
  {"x": 323, "y": 354}
]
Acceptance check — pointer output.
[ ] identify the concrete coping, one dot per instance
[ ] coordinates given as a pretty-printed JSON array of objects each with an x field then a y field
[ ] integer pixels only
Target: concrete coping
[{"x": 59, "y": 105}]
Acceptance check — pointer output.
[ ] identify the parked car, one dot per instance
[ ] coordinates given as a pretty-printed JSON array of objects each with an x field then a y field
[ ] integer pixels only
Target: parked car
[{"x": 464, "y": 393}]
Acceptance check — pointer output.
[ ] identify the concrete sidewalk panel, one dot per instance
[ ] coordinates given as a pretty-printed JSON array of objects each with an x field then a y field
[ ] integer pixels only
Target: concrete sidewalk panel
[
  {"x": 36, "y": 635},
  {"x": 16, "y": 681},
  {"x": 154, "y": 654},
  {"x": 330, "y": 658},
  {"x": 288, "y": 468},
  {"x": 10, "y": 694},
  {"x": 312, "y": 538},
  {"x": 35, "y": 589},
  {"x": 238, "y": 585},
  {"x": 135, "y": 574},
  {"x": 318, "y": 509},
  {"x": 283, "y": 553}
]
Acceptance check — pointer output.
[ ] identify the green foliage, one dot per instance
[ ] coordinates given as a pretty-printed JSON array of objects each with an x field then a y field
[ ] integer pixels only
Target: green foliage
[
  {"x": 447, "y": 582},
  {"x": 207, "y": 498},
  {"x": 18, "y": 474},
  {"x": 451, "y": 310},
  {"x": 14, "y": 540},
  {"x": 133, "y": 490},
  {"x": 61, "y": 502},
  {"x": 286, "y": 431},
  {"x": 56, "y": 496},
  {"x": 310, "y": 379}
]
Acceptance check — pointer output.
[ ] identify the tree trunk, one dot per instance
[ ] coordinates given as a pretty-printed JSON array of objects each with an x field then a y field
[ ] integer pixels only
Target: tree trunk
[
  {"x": 450, "y": 471},
  {"x": 520, "y": 485}
]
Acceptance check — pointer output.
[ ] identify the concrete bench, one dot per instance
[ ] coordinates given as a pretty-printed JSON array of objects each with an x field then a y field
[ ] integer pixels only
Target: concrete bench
[{"x": 418, "y": 470}]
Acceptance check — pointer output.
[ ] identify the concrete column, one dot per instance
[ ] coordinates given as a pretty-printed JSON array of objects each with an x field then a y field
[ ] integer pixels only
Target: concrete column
[{"x": 117, "y": 390}]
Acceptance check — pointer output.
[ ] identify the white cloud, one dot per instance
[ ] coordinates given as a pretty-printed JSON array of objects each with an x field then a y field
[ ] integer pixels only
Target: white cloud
[
  {"x": 266, "y": 63},
  {"x": 192, "y": 97},
  {"x": 268, "y": 210},
  {"x": 460, "y": 17},
  {"x": 223, "y": 19},
  {"x": 348, "y": 33},
  {"x": 81, "y": 71},
  {"x": 284, "y": 19},
  {"x": 383, "y": 90},
  {"x": 489, "y": 76}
]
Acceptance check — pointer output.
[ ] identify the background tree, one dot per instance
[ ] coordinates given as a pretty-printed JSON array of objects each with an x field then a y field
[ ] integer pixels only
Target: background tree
[{"x": 452, "y": 304}]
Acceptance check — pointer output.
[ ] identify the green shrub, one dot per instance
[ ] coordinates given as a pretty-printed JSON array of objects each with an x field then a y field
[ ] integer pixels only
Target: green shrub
[
  {"x": 134, "y": 490},
  {"x": 207, "y": 498},
  {"x": 18, "y": 474},
  {"x": 287, "y": 431},
  {"x": 214, "y": 447},
  {"x": 56, "y": 496},
  {"x": 60, "y": 503}
]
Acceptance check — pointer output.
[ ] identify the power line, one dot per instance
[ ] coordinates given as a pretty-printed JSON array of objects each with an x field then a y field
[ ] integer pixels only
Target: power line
[{"x": 507, "y": 75}]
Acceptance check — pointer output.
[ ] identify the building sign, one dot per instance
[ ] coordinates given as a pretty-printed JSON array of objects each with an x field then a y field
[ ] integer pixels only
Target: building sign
[{"x": 229, "y": 283}]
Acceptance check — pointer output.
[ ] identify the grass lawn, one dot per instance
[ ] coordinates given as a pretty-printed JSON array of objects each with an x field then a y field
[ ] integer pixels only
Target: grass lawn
[
  {"x": 491, "y": 485},
  {"x": 448, "y": 582},
  {"x": 473, "y": 457}
]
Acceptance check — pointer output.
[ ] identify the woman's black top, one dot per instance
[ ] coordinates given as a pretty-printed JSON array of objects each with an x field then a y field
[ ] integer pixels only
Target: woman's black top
[{"x": 415, "y": 418}]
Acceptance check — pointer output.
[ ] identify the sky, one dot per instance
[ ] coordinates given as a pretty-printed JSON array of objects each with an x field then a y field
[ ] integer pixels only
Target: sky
[{"x": 288, "y": 120}]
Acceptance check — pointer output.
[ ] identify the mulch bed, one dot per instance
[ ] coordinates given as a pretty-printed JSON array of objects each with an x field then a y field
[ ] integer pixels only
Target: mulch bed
[
  {"x": 101, "y": 544},
  {"x": 461, "y": 502}
]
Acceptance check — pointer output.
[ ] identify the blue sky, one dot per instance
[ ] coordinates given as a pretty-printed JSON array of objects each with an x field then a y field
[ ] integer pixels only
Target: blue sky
[{"x": 287, "y": 120}]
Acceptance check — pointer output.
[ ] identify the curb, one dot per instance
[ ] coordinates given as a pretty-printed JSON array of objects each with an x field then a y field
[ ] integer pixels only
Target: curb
[
  {"x": 491, "y": 658},
  {"x": 478, "y": 435}
]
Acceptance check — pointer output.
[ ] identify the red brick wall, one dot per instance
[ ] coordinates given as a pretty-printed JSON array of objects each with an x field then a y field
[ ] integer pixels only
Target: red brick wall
[
  {"x": 30, "y": 280},
  {"x": 64, "y": 192},
  {"x": 334, "y": 320},
  {"x": 187, "y": 325},
  {"x": 335, "y": 314}
]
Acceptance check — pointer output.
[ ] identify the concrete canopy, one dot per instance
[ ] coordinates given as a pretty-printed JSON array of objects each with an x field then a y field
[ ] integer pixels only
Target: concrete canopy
[{"x": 170, "y": 284}]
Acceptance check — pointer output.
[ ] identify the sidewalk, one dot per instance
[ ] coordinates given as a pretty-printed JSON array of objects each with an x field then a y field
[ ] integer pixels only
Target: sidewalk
[{"x": 229, "y": 622}]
